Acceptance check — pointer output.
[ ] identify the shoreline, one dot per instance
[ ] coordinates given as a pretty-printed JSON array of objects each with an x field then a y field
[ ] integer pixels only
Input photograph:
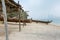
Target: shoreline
[{"x": 56, "y": 24}]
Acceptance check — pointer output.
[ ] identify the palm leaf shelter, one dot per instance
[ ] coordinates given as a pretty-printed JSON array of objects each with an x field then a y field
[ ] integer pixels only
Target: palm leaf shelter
[
  {"x": 14, "y": 12},
  {"x": 13, "y": 9}
]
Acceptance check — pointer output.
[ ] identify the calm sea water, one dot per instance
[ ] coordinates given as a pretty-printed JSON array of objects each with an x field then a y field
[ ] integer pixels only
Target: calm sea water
[{"x": 56, "y": 20}]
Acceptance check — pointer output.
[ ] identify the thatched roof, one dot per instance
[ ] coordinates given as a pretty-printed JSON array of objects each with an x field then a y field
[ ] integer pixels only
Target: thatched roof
[{"x": 11, "y": 5}]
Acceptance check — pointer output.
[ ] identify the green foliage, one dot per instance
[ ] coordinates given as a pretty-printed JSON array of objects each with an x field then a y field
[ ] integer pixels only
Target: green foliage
[{"x": 11, "y": 15}]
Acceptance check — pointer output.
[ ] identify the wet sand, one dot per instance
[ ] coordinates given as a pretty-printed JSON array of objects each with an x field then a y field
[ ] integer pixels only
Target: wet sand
[{"x": 33, "y": 31}]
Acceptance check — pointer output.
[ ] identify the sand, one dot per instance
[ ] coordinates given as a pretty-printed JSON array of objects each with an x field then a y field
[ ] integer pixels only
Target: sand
[{"x": 33, "y": 31}]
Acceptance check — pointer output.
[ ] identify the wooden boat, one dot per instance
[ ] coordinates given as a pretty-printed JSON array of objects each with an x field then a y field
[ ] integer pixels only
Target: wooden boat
[{"x": 37, "y": 21}]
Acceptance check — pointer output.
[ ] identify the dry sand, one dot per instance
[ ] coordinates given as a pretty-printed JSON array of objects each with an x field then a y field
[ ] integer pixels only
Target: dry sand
[{"x": 32, "y": 31}]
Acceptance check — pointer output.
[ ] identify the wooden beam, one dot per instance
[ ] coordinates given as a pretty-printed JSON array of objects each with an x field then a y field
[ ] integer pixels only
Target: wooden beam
[
  {"x": 14, "y": 20},
  {"x": 11, "y": 3}
]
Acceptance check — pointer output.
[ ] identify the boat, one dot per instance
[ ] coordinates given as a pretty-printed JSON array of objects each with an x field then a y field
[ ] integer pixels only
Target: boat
[{"x": 40, "y": 21}]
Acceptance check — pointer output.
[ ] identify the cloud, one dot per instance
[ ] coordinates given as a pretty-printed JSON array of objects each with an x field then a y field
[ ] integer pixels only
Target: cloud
[
  {"x": 35, "y": 2},
  {"x": 55, "y": 11},
  {"x": 33, "y": 6},
  {"x": 41, "y": 9}
]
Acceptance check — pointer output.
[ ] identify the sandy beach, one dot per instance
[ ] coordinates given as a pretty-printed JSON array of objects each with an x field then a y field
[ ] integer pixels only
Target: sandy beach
[{"x": 32, "y": 31}]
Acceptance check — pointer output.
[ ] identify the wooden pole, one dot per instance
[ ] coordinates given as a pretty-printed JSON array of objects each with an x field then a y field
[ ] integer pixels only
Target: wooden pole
[
  {"x": 24, "y": 19},
  {"x": 19, "y": 11},
  {"x": 5, "y": 18}
]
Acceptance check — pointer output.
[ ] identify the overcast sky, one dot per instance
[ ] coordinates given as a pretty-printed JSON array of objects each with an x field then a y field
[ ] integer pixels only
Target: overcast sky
[{"x": 41, "y": 9}]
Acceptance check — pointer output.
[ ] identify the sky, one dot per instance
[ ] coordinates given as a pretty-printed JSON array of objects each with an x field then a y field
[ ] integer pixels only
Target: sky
[{"x": 42, "y": 9}]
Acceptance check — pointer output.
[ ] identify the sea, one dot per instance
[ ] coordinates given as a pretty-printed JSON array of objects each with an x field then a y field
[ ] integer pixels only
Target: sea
[{"x": 55, "y": 21}]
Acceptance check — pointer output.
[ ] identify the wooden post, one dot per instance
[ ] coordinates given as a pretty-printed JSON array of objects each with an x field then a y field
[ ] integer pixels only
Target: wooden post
[
  {"x": 19, "y": 11},
  {"x": 24, "y": 18},
  {"x": 5, "y": 18}
]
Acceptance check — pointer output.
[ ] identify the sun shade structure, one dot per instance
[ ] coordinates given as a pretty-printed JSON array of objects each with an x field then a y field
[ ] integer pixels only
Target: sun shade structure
[
  {"x": 7, "y": 6},
  {"x": 12, "y": 9},
  {"x": 10, "y": 6}
]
